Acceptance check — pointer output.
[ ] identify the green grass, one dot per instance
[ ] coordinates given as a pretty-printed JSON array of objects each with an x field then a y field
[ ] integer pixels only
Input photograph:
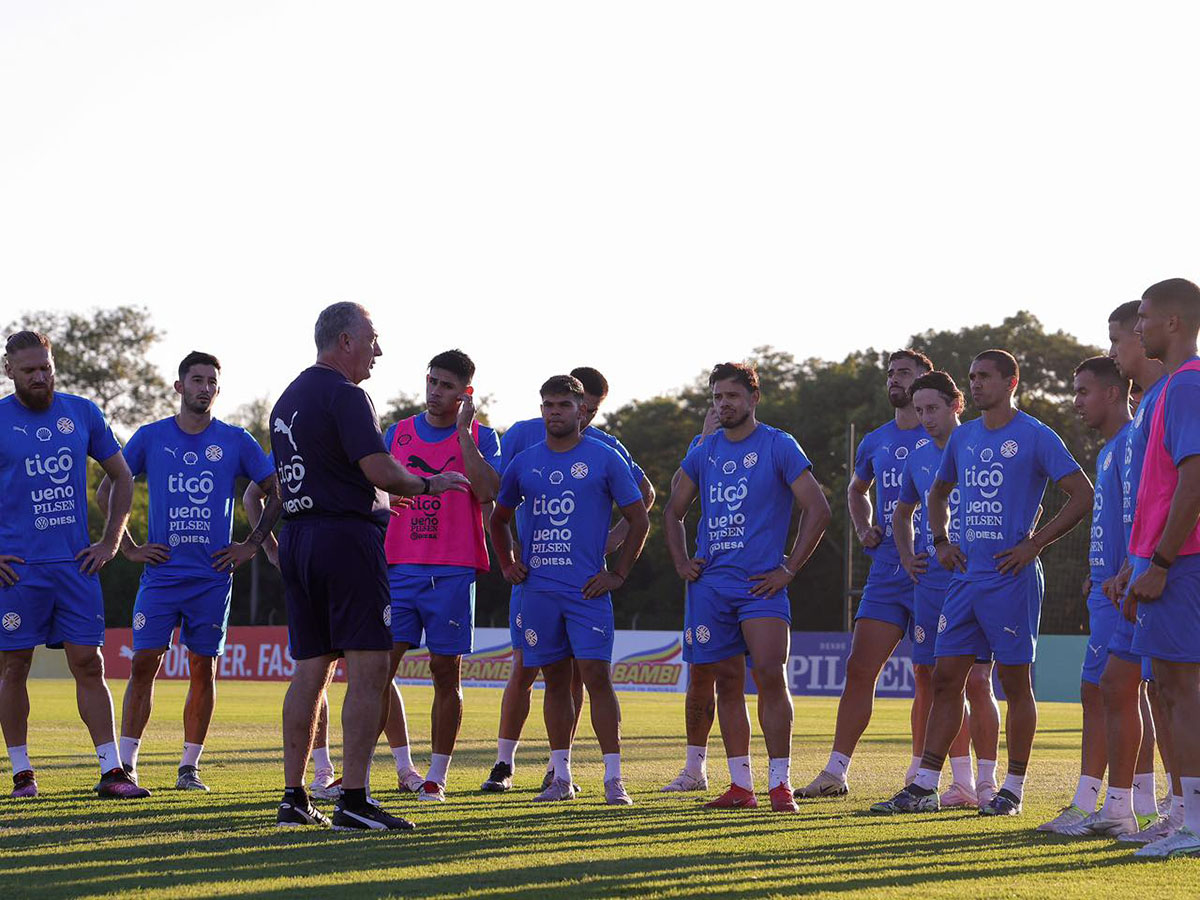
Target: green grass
[{"x": 68, "y": 844}]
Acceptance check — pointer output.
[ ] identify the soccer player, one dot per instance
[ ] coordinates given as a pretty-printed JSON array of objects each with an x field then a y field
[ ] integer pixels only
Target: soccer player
[
  {"x": 885, "y": 610},
  {"x": 570, "y": 483},
  {"x": 434, "y": 548},
  {"x": 1164, "y": 590},
  {"x": 938, "y": 403},
  {"x": 49, "y": 587},
  {"x": 1102, "y": 401},
  {"x": 334, "y": 468},
  {"x": 514, "y": 704},
  {"x": 748, "y": 477},
  {"x": 1000, "y": 463},
  {"x": 191, "y": 462}
]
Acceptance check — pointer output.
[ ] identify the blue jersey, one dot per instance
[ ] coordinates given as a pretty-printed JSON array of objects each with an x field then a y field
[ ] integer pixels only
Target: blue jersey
[
  {"x": 568, "y": 498},
  {"x": 1002, "y": 475},
  {"x": 43, "y": 476},
  {"x": 1181, "y": 426},
  {"x": 1106, "y": 547},
  {"x": 880, "y": 458},
  {"x": 1136, "y": 440},
  {"x": 193, "y": 491},
  {"x": 920, "y": 472},
  {"x": 745, "y": 503}
]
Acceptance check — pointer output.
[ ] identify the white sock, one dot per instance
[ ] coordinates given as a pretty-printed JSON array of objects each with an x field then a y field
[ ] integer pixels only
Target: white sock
[
  {"x": 839, "y": 764},
  {"x": 1087, "y": 793},
  {"x": 1177, "y": 807},
  {"x": 506, "y": 752},
  {"x": 403, "y": 758},
  {"x": 1118, "y": 803},
  {"x": 961, "y": 772},
  {"x": 19, "y": 757},
  {"x": 740, "y": 773},
  {"x": 912, "y": 770},
  {"x": 191, "y": 754},
  {"x": 1191, "y": 802},
  {"x": 927, "y": 779},
  {"x": 1145, "y": 800},
  {"x": 697, "y": 761},
  {"x": 320, "y": 758},
  {"x": 612, "y": 766},
  {"x": 109, "y": 757},
  {"x": 779, "y": 771},
  {"x": 129, "y": 750},
  {"x": 1014, "y": 784},
  {"x": 439, "y": 765},
  {"x": 561, "y": 761},
  {"x": 986, "y": 771}
]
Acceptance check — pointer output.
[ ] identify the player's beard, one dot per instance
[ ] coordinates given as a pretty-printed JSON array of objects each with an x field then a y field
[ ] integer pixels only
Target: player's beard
[
  {"x": 736, "y": 423},
  {"x": 899, "y": 398},
  {"x": 199, "y": 407},
  {"x": 38, "y": 401}
]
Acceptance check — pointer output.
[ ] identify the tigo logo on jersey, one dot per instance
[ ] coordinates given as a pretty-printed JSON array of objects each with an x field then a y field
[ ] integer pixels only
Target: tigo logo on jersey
[
  {"x": 750, "y": 460},
  {"x": 12, "y": 621},
  {"x": 530, "y": 637},
  {"x": 65, "y": 425},
  {"x": 139, "y": 622},
  {"x": 1008, "y": 449},
  {"x": 579, "y": 470},
  {"x": 213, "y": 453},
  {"x": 702, "y": 634}
]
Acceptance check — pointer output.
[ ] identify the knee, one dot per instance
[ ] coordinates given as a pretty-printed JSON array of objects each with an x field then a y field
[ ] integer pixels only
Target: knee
[
  {"x": 16, "y": 668},
  {"x": 770, "y": 680},
  {"x": 86, "y": 664},
  {"x": 979, "y": 688},
  {"x": 444, "y": 670},
  {"x": 203, "y": 668},
  {"x": 945, "y": 681},
  {"x": 860, "y": 669},
  {"x": 144, "y": 667},
  {"x": 1016, "y": 684}
]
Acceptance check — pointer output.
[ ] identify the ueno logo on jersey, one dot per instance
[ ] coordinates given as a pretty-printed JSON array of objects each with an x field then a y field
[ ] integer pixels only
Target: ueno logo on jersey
[
  {"x": 197, "y": 487},
  {"x": 57, "y": 467},
  {"x": 559, "y": 509},
  {"x": 732, "y": 495},
  {"x": 989, "y": 480}
]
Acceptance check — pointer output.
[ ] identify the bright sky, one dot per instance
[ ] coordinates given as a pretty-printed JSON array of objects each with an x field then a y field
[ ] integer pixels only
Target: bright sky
[{"x": 645, "y": 187}]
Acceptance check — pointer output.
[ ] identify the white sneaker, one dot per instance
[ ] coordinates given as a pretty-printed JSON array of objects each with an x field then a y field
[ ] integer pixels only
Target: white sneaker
[
  {"x": 1068, "y": 817},
  {"x": 984, "y": 792},
  {"x": 558, "y": 790},
  {"x": 1100, "y": 824},
  {"x": 686, "y": 781},
  {"x": 826, "y": 784},
  {"x": 409, "y": 781},
  {"x": 1183, "y": 842},
  {"x": 1163, "y": 827},
  {"x": 325, "y": 785},
  {"x": 1166, "y": 804},
  {"x": 958, "y": 795}
]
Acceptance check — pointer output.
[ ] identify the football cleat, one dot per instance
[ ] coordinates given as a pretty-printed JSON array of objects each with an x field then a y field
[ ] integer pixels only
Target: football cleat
[
  {"x": 1101, "y": 824},
  {"x": 984, "y": 792},
  {"x": 432, "y": 791},
  {"x": 615, "y": 793},
  {"x": 558, "y": 789},
  {"x": 1163, "y": 827},
  {"x": 24, "y": 784},
  {"x": 826, "y": 784},
  {"x": 547, "y": 779},
  {"x": 1005, "y": 803},
  {"x": 325, "y": 785},
  {"x": 781, "y": 798},
  {"x": 369, "y": 818},
  {"x": 291, "y": 816},
  {"x": 686, "y": 781},
  {"x": 734, "y": 798},
  {"x": 956, "y": 796},
  {"x": 499, "y": 780},
  {"x": 189, "y": 780},
  {"x": 909, "y": 800},
  {"x": 1182, "y": 842},
  {"x": 1166, "y": 804},
  {"x": 116, "y": 784},
  {"x": 410, "y": 781},
  {"x": 1068, "y": 817}
]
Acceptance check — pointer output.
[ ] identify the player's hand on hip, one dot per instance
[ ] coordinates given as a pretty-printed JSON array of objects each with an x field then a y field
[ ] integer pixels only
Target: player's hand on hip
[
  {"x": 771, "y": 583},
  {"x": 514, "y": 572},
  {"x": 871, "y": 537},
  {"x": 449, "y": 481},
  {"x": 691, "y": 569},
  {"x": 8, "y": 575},
  {"x": 150, "y": 554},
  {"x": 915, "y": 565},
  {"x": 94, "y": 558},
  {"x": 1014, "y": 559},
  {"x": 951, "y": 557},
  {"x": 602, "y": 583},
  {"x": 234, "y": 555}
]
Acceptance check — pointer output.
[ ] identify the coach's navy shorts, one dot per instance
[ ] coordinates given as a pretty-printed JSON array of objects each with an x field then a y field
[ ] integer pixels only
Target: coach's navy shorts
[
  {"x": 440, "y": 606},
  {"x": 336, "y": 586},
  {"x": 50, "y": 604},
  {"x": 888, "y": 597},
  {"x": 1169, "y": 627},
  {"x": 199, "y": 606}
]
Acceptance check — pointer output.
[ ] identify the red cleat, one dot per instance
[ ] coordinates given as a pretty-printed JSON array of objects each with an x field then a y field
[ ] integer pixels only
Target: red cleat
[
  {"x": 734, "y": 798},
  {"x": 781, "y": 799}
]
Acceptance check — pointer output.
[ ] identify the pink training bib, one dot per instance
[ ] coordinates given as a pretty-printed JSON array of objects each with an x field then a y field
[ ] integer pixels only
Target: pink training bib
[
  {"x": 442, "y": 530},
  {"x": 1159, "y": 478}
]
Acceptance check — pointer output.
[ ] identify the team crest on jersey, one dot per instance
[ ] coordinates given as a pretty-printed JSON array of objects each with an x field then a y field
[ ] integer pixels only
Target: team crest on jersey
[
  {"x": 921, "y": 443},
  {"x": 65, "y": 425},
  {"x": 531, "y": 637},
  {"x": 44, "y": 434},
  {"x": 1141, "y": 414},
  {"x": 387, "y": 615},
  {"x": 1108, "y": 460},
  {"x": 518, "y": 620},
  {"x": 556, "y": 477},
  {"x": 941, "y": 624},
  {"x": 213, "y": 453},
  {"x": 687, "y": 637},
  {"x": 985, "y": 455},
  {"x": 191, "y": 458},
  {"x": 139, "y": 622},
  {"x": 702, "y": 634},
  {"x": 901, "y": 452},
  {"x": 919, "y": 634},
  {"x": 11, "y": 621},
  {"x": 579, "y": 470},
  {"x": 729, "y": 467},
  {"x": 1008, "y": 449},
  {"x": 750, "y": 460}
]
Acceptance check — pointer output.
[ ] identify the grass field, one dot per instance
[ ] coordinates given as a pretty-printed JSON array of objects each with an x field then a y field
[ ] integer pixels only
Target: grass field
[{"x": 66, "y": 843}]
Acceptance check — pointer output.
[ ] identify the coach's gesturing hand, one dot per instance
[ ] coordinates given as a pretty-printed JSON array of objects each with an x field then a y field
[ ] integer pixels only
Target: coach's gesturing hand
[
  {"x": 8, "y": 575},
  {"x": 602, "y": 583},
  {"x": 691, "y": 569},
  {"x": 148, "y": 553},
  {"x": 448, "y": 481}
]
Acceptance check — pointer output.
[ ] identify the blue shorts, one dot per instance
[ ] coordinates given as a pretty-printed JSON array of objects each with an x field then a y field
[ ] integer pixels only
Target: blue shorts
[
  {"x": 888, "y": 597},
  {"x": 199, "y": 606},
  {"x": 52, "y": 603},
  {"x": 562, "y": 624},
  {"x": 516, "y": 629},
  {"x": 928, "y": 601},
  {"x": 1169, "y": 628},
  {"x": 441, "y": 606},
  {"x": 1000, "y": 611},
  {"x": 712, "y": 626},
  {"x": 1102, "y": 622}
]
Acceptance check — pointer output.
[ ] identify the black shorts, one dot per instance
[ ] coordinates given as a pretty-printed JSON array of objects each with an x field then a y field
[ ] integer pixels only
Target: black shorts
[{"x": 335, "y": 582}]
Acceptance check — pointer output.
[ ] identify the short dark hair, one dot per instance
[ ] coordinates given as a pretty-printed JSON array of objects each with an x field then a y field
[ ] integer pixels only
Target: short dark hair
[
  {"x": 1105, "y": 368},
  {"x": 24, "y": 340},
  {"x": 1005, "y": 362},
  {"x": 454, "y": 361},
  {"x": 1125, "y": 314},
  {"x": 197, "y": 358},
  {"x": 744, "y": 373},
  {"x": 593, "y": 382},
  {"x": 939, "y": 381},
  {"x": 562, "y": 385},
  {"x": 1178, "y": 293},
  {"x": 915, "y": 355}
]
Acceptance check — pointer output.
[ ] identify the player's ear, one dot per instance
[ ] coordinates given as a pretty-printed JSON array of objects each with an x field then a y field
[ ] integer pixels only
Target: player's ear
[{"x": 179, "y": 387}]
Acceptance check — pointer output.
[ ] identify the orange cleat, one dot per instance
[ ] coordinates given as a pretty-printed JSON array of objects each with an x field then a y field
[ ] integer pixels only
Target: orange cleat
[
  {"x": 734, "y": 798},
  {"x": 781, "y": 799}
]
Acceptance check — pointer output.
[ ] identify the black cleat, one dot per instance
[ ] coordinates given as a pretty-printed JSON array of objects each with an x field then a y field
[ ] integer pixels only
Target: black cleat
[
  {"x": 117, "y": 784},
  {"x": 368, "y": 818},
  {"x": 500, "y": 780},
  {"x": 292, "y": 816},
  {"x": 1005, "y": 803}
]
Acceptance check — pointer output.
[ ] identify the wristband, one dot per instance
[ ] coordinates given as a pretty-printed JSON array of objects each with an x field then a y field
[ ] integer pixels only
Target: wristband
[
  {"x": 1161, "y": 561},
  {"x": 424, "y": 481},
  {"x": 786, "y": 569},
  {"x": 940, "y": 539}
]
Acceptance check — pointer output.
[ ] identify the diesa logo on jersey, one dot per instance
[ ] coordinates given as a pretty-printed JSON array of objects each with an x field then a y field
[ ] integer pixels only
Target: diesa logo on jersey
[
  {"x": 65, "y": 425},
  {"x": 190, "y": 458},
  {"x": 44, "y": 434}
]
